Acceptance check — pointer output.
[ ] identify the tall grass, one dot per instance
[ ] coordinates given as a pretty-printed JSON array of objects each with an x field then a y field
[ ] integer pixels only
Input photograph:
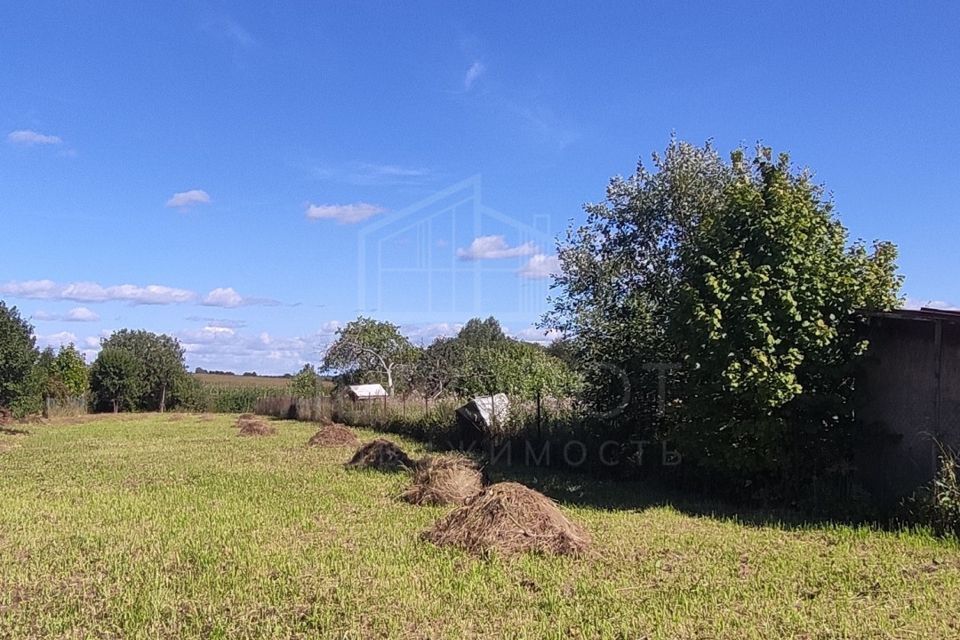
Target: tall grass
[{"x": 228, "y": 399}]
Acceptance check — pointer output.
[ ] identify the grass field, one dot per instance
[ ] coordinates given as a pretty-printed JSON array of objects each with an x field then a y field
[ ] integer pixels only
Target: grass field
[{"x": 172, "y": 526}]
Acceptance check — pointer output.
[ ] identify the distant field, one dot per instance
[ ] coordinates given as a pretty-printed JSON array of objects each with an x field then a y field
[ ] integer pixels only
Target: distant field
[
  {"x": 242, "y": 381},
  {"x": 146, "y": 526}
]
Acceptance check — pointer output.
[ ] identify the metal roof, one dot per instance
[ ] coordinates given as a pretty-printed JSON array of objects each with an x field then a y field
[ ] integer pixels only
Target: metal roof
[
  {"x": 367, "y": 390},
  {"x": 924, "y": 314}
]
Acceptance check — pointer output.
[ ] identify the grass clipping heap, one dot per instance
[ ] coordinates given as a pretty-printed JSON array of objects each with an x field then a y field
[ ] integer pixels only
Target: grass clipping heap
[
  {"x": 444, "y": 480},
  {"x": 252, "y": 426},
  {"x": 509, "y": 518},
  {"x": 333, "y": 435},
  {"x": 382, "y": 455}
]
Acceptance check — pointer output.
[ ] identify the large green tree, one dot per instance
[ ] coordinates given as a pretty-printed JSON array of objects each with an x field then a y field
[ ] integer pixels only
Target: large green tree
[
  {"x": 765, "y": 320},
  {"x": 63, "y": 373},
  {"x": 18, "y": 354},
  {"x": 620, "y": 272},
  {"x": 116, "y": 378},
  {"x": 366, "y": 348},
  {"x": 161, "y": 361},
  {"x": 740, "y": 272}
]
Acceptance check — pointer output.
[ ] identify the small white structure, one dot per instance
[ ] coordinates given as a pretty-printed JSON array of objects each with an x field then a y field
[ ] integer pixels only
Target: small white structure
[
  {"x": 366, "y": 391},
  {"x": 484, "y": 415}
]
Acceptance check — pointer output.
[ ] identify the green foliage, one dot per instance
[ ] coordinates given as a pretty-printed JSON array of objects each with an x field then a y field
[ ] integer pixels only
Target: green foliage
[
  {"x": 937, "y": 505},
  {"x": 307, "y": 383},
  {"x": 741, "y": 273},
  {"x": 18, "y": 354},
  {"x": 482, "y": 360},
  {"x": 161, "y": 364},
  {"x": 620, "y": 273},
  {"x": 481, "y": 333},
  {"x": 116, "y": 379},
  {"x": 368, "y": 347},
  {"x": 768, "y": 289},
  {"x": 519, "y": 369},
  {"x": 63, "y": 374}
]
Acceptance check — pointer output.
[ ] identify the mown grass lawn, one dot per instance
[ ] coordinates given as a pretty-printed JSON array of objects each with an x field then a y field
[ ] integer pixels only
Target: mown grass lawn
[{"x": 172, "y": 526}]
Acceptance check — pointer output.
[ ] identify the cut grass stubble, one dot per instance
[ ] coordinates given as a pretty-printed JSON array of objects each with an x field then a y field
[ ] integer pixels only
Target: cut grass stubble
[{"x": 146, "y": 526}]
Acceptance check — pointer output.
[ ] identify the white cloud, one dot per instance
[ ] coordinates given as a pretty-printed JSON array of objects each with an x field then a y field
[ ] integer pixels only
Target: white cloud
[
  {"x": 330, "y": 328},
  {"x": 29, "y": 138},
  {"x": 77, "y": 314},
  {"x": 93, "y": 292},
  {"x": 427, "y": 333},
  {"x": 540, "y": 336},
  {"x": 218, "y": 322},
  {"x": 473, "y": 74},
  {"x": 493, "y": 248},
  {"x": 81, "y": 314},
  {"x": 219, "y": 348},
  {"x": 187, "y": 199},
  {"x": 540, "y": 266},
  {"x": 343, "y": 213},
  {"x": 223, "y": 297},
  {"x": 56, "y": 340},
  {"x": 228, "y": 298}
]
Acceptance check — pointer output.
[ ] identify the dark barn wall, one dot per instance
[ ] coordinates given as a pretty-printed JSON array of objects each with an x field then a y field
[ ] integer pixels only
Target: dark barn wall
[{"x": 910, "y": 389}]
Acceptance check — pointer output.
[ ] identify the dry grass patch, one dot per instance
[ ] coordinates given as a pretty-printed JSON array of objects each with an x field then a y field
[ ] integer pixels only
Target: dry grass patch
[
  {"x": 382, "y": 455},
  {"x": 444, "y": 480},
  {"x": 255, "y": 428},
  {"x": 509, "y": 518},
  {"x": 333, "y": 435}
]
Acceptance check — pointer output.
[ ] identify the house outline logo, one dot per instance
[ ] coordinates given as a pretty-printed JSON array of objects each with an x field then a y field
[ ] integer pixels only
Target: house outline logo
[{"x": 466, "y": 283}]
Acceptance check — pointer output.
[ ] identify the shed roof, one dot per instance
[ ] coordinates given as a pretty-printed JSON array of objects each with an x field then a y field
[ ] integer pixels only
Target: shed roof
[
  {"x": 367, "y": 391},
  {"x": 923, "y": 314}
]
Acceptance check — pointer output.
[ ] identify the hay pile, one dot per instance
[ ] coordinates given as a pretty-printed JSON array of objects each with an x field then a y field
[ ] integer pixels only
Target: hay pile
[
  {"x": 509, "y": 518},
  {"x": 444, "y": 480},
  {"x": 382, "y": 455},
  {"x": 333, "y": 435},
  {"x": 255, "y": 427}
]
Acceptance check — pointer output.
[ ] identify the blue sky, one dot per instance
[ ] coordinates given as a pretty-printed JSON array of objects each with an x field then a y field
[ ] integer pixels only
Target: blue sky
[{"x": 247, "y": 176}]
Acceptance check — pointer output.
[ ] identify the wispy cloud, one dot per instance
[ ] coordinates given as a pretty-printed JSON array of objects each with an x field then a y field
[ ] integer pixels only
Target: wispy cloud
[
  {"x": 28, "y": 138},
  {"x": 77, "y": 314},
  {"x": 494, "y": 248},
  {"x": 94, "y": 292},
  {"x": 218, "y": 322},
  {"x": 228, "y": 298},
  {"x": 187, "y": 199},
  {"x": 544, "y": 125},
  {"x": 476, "y": 70},
  {"x": 344, "y": 213},
  {"x": 370, "y": 174},
  {"x": 236, "y": 33},
  {"x": 539, "y": 267},
  {"x": 153, "y": 294}
]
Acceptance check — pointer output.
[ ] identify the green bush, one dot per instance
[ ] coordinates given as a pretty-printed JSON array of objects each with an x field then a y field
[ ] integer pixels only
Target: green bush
[{"x": 937, "y": 505}]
